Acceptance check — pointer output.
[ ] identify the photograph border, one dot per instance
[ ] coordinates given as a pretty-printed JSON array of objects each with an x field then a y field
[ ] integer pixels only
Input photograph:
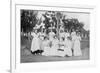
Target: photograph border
[{"x": 13, "y": 64}]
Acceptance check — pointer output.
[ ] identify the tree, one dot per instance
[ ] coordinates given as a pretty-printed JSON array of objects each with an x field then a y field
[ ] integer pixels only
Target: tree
[
  {"x": 72, "y": 24},
  {"x": 50, "y": 19},
  {"x": 28, "y": 20}
]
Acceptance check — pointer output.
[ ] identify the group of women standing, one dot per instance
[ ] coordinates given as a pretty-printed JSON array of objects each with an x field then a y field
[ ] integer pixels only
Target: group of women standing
[{"x": 66, "y": 44}]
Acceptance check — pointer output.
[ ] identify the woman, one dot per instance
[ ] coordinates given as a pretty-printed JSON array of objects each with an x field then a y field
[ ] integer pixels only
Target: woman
[
  {"x": 46, "y": 47},
  {"x": 61, "y": 34},
  {"x": 73, "y": 33},
  {"x": 61, "y": 50},
  {"x": 76, "y": 45},
  {"x": 54, "y": 48},
  {"x": 51, "y": 50},
  {"x": 67, "y": 34},
  {"x": 35, "y": 42},
  {"x": 68, "y": 46},
  {"x": 41, "y": 39},
  {"x": 51, "y": 35}
]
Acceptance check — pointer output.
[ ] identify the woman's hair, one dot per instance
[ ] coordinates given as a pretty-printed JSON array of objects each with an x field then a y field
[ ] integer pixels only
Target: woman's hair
[
  {"x": 72, "y": 30},
  {"x": 54, "y": 30},
  {"x": 61, "y": 31},
  {"x": 77, "y": 33},
  {"x": 45, "y": 37},
  {"x": 69, "y": 38},
  {"x": 63, "y": 38},
  {"x": 66, "y": 30},
  {"x": 55, "y": 36}
]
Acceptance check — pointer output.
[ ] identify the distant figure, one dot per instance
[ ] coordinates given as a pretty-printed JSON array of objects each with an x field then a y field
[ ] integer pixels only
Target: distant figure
[{"x": 76, "y": 45}]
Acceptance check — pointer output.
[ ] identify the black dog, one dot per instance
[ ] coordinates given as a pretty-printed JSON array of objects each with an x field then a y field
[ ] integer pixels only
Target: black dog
[{"x": 37, "y": 52}]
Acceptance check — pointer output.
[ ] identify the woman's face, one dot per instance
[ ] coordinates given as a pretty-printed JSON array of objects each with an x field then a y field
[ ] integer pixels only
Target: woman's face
[
  {"x": 55, "y": 37},
  {"x": 45, "y": 38},
  {"x": 66, "y": 31},
  {"x": 73, "y": 30},
  {"x": 35, "y": 31},
  {"x": 42, "y": 38},
  {"x": 78, "y": 34},
  {"x": 61, "y": 31},
  {"x": 51, "y": 31}
]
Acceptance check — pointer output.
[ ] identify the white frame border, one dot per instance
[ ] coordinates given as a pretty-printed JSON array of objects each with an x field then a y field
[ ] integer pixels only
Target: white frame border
[{"x": 60, "y": 64}]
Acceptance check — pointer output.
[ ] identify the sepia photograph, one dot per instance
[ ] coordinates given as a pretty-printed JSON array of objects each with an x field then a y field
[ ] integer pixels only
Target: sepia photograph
[{"x": 48, "y": 36}]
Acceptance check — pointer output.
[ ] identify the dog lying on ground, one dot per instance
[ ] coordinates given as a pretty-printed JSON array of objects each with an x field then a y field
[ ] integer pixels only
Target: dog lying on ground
[{"x": 38, "y": 52}]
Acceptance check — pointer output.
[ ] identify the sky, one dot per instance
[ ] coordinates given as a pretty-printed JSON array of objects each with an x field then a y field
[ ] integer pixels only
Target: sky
[{"x": 82, "y": 17}]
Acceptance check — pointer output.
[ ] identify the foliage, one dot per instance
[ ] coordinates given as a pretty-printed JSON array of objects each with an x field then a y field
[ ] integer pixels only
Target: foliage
[
  {"x": 52, "y": 19},
  {"x": 49, "y": 23},
  {"x": 28, "y": 20},
  {"x": 73, "y": 24}
]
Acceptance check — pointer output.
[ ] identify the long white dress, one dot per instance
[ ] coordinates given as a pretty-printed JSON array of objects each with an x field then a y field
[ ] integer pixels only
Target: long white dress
[
  {"x": 73, "y": 35},
  {"x": 41, "y": 35},
  {"x": 54, "y": 48},
  {"x": 68, "y": 45},
  {"x": 76, "y": 46},
  {"x": 61, "y": 35},
  {"x": 41, "y": 38},
  {"x": 35, "y": 42},
  {"x": 67, "y": 34},
  {"x": 61, "y": 50},
  {"x": 46, "y": 45},
  {"x": 51, "y": 36},
  {"x": 46, "y": 48}
]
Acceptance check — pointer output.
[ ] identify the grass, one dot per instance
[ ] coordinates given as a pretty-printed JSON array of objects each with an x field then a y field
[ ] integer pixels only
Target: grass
[{"x": 27, "y": 57}]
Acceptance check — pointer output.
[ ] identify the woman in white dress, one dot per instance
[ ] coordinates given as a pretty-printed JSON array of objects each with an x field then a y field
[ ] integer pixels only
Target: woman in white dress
[
  {"x": 35, "y": 42},
  {"x": 61, "y": 50},
  {"x": 67, "y": 34},
  {"x": 41, "y": 39},
  {"x": 51, "y": 35},
  {"x": 46, "y": 47},
  {"x": 52, "y": 44},
  {"x": 76, "y": 45},
  {"x": 73, "y": 34},
  {"x": 68, "y": 46},
  {"x": 61, "y": 34},
  {"x": 54, "y": 48}
]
